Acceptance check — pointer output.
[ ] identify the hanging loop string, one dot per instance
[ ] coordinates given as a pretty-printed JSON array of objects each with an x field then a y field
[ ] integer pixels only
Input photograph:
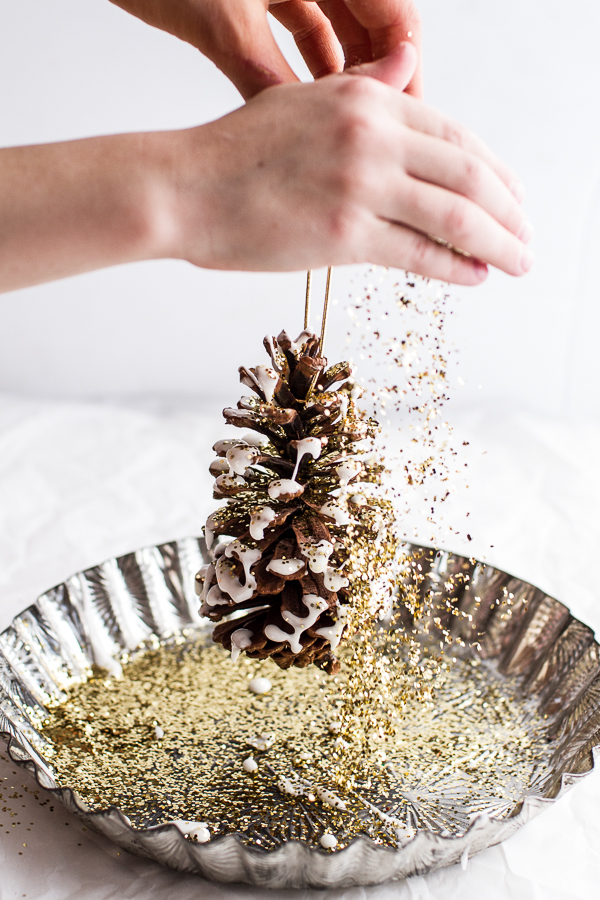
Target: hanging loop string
[
  {"x": 325, "y": 309},
  {"x": 307, "y": 299},
  {"x": 325, "y": 305}
]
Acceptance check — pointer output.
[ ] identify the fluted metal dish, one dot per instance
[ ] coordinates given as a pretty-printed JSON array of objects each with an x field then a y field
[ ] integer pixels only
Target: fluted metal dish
[{"x": 98, "y": 614}]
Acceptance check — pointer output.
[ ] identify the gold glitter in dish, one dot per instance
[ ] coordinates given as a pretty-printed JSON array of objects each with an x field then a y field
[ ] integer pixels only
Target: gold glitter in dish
[{"x": 169, "y": 739}]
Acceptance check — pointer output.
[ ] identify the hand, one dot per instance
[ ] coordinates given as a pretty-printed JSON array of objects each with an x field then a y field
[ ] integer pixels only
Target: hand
[
  {"x": 331, "y": 34},
  {"x": 345, "y": 170}
]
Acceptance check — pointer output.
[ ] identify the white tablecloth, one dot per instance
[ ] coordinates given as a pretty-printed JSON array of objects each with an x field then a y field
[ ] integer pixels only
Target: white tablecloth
[{"x": 80, "y": 483}]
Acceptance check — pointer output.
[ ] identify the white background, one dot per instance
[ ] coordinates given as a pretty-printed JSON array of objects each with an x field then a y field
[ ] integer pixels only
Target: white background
[
  {"x": 524, "y": 74},
  {"x": 81, "y": 481}
]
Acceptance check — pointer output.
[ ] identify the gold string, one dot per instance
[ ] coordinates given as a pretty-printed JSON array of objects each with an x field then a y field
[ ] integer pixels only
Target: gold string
[
  {"x": 307, "y": 299},
  {"x": 325, "y": 308}
]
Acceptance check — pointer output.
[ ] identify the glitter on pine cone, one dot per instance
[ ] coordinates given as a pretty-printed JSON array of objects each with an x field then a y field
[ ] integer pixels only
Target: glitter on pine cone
[{"x": 304, "y": 526}]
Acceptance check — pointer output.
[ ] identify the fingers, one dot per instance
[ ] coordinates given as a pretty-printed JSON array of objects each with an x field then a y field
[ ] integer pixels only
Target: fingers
[
  {"x": 462, "y": 172},
  {"x": 456, "y": 220},
  {"x": 425, "y": 119},
  {"x": 396, "y": 69},
  {"x": 388, "y": 23},
  {"x": 401, "y": 247},
  {"x": 364, "y": 30},
  {"x": 313, "y": 34},
  {"x": 354, "y": 38}
]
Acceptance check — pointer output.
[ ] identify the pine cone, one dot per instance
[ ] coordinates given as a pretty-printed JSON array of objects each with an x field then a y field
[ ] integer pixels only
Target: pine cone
[{"x": 280, "y": 544}]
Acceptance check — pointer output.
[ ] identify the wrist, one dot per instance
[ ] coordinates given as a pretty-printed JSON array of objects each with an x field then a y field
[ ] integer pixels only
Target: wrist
[
  {"x": 175, "y": 177},
  {"x": 144, "y": 207}
]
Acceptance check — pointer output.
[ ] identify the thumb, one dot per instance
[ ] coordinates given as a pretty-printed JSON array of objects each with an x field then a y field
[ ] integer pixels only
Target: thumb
[{"x": 395, "y": 69}]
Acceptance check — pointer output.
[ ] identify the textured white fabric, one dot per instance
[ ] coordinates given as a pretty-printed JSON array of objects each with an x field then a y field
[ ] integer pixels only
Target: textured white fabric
[{"x": 83, "y": 482}]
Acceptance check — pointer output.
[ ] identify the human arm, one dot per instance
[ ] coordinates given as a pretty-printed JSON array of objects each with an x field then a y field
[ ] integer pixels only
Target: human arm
[
  {"x": 330, "y": 34},
  {"x": 346, "y": 170}
]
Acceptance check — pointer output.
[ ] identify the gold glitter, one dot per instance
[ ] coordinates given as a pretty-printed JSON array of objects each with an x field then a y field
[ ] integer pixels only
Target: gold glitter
[{"x": 479, "y": 748}]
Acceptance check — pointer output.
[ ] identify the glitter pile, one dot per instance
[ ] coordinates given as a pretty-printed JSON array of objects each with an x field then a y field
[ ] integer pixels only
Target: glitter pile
[{"x": 187, "y": 736}]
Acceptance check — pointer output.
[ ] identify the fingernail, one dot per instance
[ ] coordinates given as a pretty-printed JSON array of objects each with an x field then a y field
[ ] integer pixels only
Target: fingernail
[
  {"x": 526, "y": 232},
  {"x": 518, "y": 190},
  {"x": 481, "y": 271},
  {"x": 526, "y": 261}
]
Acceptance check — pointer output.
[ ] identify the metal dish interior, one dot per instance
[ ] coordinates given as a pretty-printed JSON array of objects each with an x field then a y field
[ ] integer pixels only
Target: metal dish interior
[{"x": 100, "y": 615}]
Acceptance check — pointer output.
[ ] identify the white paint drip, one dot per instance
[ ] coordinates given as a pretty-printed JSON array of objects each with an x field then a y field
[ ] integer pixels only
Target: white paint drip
[
  {"x": 318, "y": 555},
  {"x": 228, "y": 581},
  {"x": 285, "y": 489},
  {"x": 240, "y": 640},
  {"x": 262, "y": 742},
  {"x": 259, "y": 685},
  {"x": 285, "y": 566},
  {"x": 219, "y": 466},
  {"x": 248, "y": 556},
  {"x": 303, "y": 788},
  {"x": 241, "y": 458},
  {"x": 403, "y": 831},
  {"x": 216, "y": 597},
  {"x": 288, "y": 787},
  {"x": 333, "y": 580},
  {"x": 310, "y": 446},
  {"x": 330, "y": 799},
  {"x": 348, "y": 470},
  {"x": 259, "y": 520},
  {"x": 221, "y": 547},
  {"x": 250, "y": 764},
  {"x": 332, "y": 633},
  {"x": 221, "y": 447},
  {"x": 273, "y": 352},
  {"x": 298, "y": 343},
  {"x": 209, "y": 576},
  {"x": 315, "y": 605},
  {"x": 196, "y": 831},
  {"x": 267, "y": 380},
  {"x": 328, "y": 841},
  {"x": 199, "y": 579},
  {"x": 255, "y": 439},
  {"x": 344, "y": 401},
  {"x": 335, "y": 512},
  {"x": 231, "y": 584},
  {"x": 230, "y": 482}
]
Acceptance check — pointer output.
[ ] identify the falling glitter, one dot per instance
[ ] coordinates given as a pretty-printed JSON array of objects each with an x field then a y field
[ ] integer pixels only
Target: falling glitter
[{"x": 398, "y": 338}]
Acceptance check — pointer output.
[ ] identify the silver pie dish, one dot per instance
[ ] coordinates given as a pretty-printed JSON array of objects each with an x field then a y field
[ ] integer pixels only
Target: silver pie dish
[{"x": 97, "y": 615}]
